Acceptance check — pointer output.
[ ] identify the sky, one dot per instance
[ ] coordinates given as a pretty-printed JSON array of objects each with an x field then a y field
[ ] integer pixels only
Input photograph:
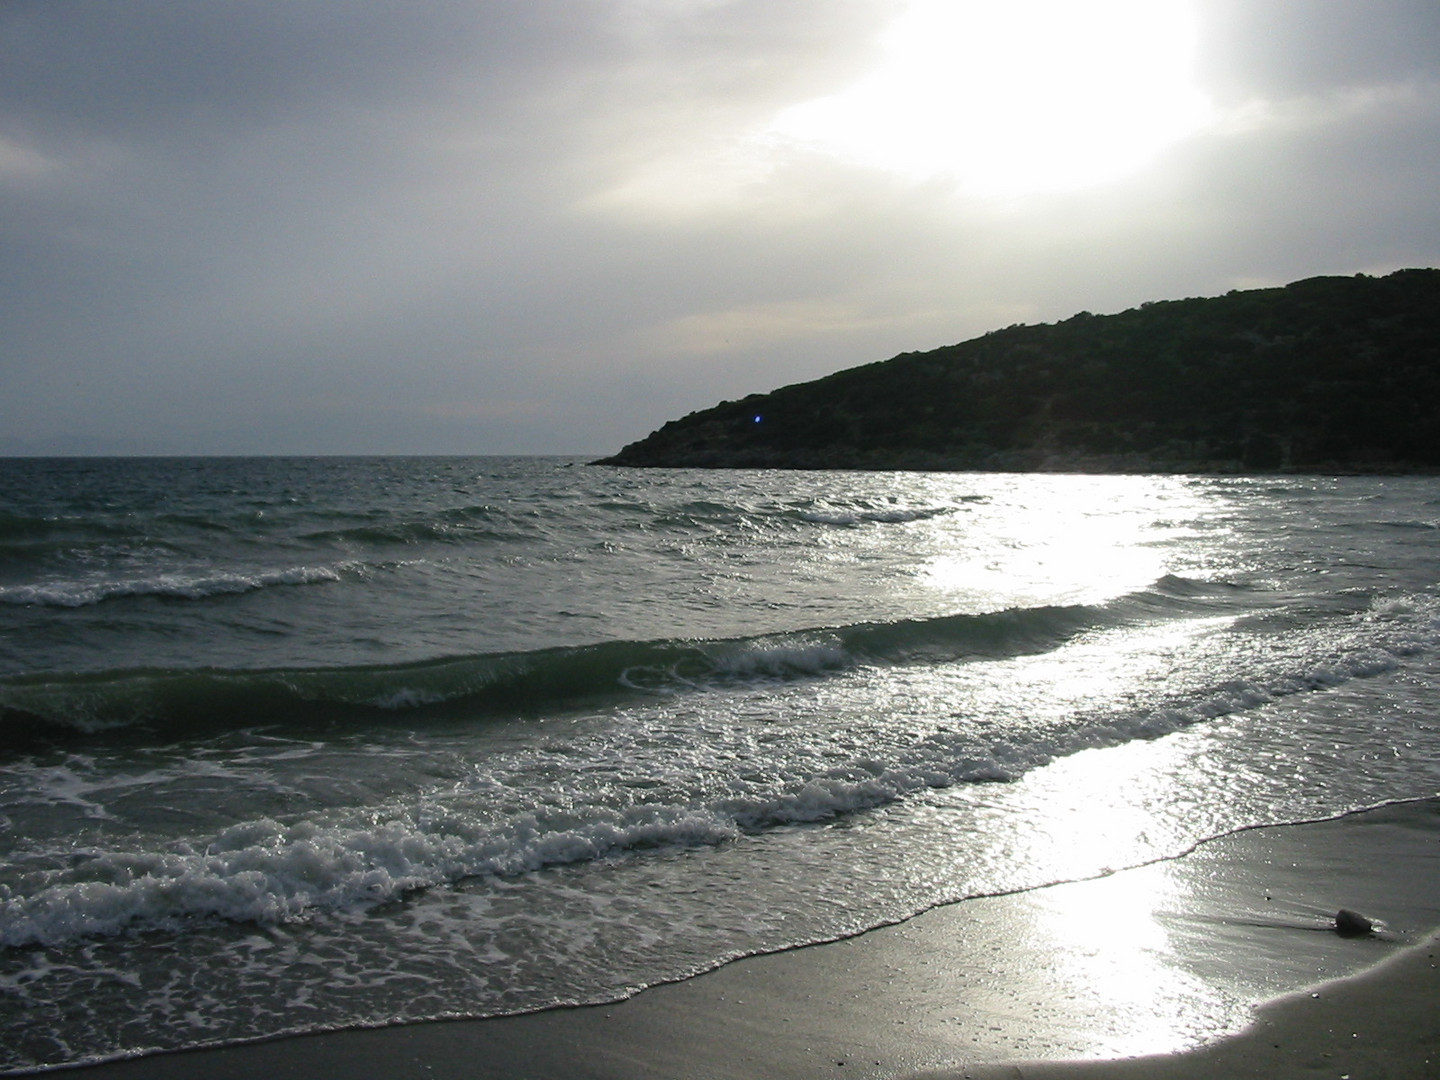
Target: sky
[{"x": 549, "y": 226}]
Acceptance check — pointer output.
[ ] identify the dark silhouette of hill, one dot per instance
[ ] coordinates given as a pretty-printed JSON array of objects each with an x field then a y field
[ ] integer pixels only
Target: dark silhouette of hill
[{"x": 1330, "y": 374}]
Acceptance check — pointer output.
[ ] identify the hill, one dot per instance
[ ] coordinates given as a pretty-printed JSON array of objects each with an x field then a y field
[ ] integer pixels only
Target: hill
[{"x": 1329, "y": 374}]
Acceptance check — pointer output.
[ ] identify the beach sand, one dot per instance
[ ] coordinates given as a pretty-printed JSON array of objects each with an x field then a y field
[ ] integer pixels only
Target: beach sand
[{"x": 1125, "y": 975}]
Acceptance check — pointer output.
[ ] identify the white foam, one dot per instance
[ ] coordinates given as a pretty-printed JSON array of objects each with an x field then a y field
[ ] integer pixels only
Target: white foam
[
  {"x": 816, "y": 518},
  {"x": 896, "y": 516},
  {"x": 707, "y": 790},
  {"x": 781, "y": 659},
  {"x": 265, "y": 872},
  {"x": 409, "y": 698},
  {"x": 193, "y": 586}
]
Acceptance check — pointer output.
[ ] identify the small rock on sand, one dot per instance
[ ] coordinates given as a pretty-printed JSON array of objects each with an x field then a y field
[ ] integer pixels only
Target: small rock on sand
[{"x": 1352, "y": 924}]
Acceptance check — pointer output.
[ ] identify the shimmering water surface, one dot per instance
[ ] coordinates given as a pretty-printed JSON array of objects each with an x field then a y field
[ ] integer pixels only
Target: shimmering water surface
[{"x": 295, "y": 744}]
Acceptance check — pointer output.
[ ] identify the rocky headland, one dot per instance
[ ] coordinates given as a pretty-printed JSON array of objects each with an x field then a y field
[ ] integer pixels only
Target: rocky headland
[{"x": 1329, "y": 374}]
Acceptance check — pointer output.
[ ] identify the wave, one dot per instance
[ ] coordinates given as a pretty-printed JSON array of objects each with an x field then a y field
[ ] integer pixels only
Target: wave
[
  {"x": 175, "y": 585},
  {"x": 28, "y": 528},
  {"x": 891, "y": 516},
  {"x": 407, "y": 533},
  {"x": 67, "y": 550},
  {"x": 1422, "y": 525},
  {"x": 453, "y": 525},
  {"x": 186, "y": 702},
  {"x": 706, "y": 515},
  {"x": 266, "y": 872},
  {"x": 263, "y": 871},
  {"x": 66, "y": 538}
]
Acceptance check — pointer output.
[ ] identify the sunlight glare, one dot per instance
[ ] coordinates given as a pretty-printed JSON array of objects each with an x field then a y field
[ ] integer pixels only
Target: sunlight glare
[
  {"x": 1111, "y": 942},
  {"x": 1016, "y": 98},
  {"x": 1077, "y": 540}
]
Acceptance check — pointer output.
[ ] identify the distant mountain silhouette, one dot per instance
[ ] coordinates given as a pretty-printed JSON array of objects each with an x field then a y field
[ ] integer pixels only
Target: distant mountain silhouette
[{"x": 1330, "y": 374}]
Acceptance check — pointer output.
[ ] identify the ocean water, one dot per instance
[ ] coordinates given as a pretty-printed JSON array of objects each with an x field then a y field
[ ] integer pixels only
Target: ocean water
[{"x": 305, "y": 744}]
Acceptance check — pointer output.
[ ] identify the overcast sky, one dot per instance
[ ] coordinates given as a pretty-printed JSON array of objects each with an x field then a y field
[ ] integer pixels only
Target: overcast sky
[{"x": 548, "y": 226}]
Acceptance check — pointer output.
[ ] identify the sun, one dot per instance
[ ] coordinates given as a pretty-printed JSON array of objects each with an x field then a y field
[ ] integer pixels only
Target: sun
[{"x": 1016, "y": 97}]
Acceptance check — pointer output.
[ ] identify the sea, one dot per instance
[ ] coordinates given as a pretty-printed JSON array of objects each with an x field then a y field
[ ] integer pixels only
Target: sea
[{"x": 306, "y": 744}]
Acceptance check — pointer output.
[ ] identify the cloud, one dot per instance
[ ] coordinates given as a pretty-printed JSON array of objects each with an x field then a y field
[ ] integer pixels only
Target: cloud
[
  {"x": 550, "y": 226},
  {"x": 1281, "y": 49}
]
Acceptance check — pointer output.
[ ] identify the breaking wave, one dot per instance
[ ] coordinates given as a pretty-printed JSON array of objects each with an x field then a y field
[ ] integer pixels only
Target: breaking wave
[
  {"x": 193, "y": 586},
  {"x": 170, "y": 703}
]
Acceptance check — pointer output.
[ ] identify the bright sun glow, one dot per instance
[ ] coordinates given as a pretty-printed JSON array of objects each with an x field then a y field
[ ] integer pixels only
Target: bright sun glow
[{"x": 1017, "y": 97}]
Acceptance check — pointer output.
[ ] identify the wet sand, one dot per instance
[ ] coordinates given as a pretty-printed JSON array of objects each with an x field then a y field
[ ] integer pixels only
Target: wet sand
[
  {"x": 1126, "y": 974},
  {"x": 1384, "y": 1025}
]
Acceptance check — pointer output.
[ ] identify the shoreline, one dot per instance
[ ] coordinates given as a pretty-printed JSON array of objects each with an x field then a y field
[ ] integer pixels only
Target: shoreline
[
  {"x": 1383, "y": 1022},
  {"x": 1130, "y": 972}
]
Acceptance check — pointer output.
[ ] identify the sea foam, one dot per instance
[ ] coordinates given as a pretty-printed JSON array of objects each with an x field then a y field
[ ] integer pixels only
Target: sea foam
[{"x": 82, "y": 592}]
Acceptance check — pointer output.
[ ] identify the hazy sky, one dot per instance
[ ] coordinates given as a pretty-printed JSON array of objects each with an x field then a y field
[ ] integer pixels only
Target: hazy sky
[{"x": 547, "y": 226}]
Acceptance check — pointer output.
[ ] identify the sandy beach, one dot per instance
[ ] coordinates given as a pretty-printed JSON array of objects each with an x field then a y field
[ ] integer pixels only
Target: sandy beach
[{"x": 1156, "y": 970}]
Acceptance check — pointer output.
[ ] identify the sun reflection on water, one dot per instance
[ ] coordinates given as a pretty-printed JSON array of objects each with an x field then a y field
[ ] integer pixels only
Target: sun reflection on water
[
  {"x": 1111, "y": 953},
  {"x": 1082, "y": 541}
]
